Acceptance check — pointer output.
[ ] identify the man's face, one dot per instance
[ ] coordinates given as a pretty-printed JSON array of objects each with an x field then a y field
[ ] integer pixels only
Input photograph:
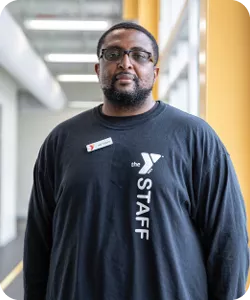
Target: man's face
[{"x": 127, "y": 82}]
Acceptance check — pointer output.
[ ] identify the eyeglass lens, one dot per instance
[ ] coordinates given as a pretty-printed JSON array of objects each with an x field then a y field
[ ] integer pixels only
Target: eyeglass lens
[{"x": 115, "y": 54}]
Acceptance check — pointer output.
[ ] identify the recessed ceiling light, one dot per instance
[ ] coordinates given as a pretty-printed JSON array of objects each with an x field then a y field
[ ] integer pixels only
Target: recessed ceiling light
[
  {"x": 73, "y": 25},
  {"x": 71, "y": 58},
  {"x": 77, "y": 78}
]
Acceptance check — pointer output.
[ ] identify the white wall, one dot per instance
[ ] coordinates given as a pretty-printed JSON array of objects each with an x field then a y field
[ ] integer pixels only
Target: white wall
[
  {"x": 179, "y": 72},
  {"x": 76, "y": 91},
  {"x": 8, "y": 168},
  {"x": 34, "y": 125}
]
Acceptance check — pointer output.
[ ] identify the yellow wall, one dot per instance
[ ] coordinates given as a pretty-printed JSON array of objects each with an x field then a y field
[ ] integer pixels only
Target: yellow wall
[
  {"x": 146, "y": 12},
  {"x": 130, "y": 9},
  {"x": 225, "y": 96},
  {"x": 225, "y": 104}
]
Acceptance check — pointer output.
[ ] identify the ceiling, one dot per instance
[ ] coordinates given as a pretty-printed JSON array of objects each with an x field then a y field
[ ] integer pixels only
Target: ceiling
[{"x": 67, "y": 42}]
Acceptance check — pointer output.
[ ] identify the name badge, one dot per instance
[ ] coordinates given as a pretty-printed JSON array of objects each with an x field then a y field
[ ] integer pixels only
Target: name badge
[{"x": 100, "y": 144}]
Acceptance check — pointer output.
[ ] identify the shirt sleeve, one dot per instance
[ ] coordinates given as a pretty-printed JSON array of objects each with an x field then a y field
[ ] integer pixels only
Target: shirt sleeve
[
  {"x": 222, "y": 219},
  {"x": 38, "y": 235}
]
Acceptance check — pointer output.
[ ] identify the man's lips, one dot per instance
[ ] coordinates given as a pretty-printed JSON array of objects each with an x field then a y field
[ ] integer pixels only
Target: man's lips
[{"x": 125, "y": 77}]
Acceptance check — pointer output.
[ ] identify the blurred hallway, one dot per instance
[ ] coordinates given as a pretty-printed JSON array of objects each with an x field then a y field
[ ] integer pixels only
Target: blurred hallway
[
  {"x": 11, "y": 266},
  {"x": 47, "y": 75}
]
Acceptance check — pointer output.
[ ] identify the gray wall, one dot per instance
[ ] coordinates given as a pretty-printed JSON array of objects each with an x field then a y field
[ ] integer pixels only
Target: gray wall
[
  {"x": 34, "y": 125},
  {"x": 8, "y": 178},
  {"x": 79, "y": 91}
]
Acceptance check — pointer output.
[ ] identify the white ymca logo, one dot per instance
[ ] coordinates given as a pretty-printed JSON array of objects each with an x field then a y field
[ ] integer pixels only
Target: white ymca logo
[
  {"x": 149, "y": 161},
  {"x": 144, "y": 192}
]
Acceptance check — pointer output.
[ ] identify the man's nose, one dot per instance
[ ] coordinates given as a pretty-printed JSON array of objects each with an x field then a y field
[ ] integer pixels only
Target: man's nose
[{"x": 125, "y": 62}]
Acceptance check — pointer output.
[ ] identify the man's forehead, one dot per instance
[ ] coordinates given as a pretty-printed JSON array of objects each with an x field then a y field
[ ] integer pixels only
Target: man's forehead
[{"x": 131, "y": 37}]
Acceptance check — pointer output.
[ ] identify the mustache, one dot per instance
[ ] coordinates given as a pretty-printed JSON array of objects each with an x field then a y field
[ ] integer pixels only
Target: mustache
[{"x": 114, "y": 78}]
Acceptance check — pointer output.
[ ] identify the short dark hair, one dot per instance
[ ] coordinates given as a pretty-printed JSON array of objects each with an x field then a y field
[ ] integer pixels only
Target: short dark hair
[{"x": 130, "y": 25}]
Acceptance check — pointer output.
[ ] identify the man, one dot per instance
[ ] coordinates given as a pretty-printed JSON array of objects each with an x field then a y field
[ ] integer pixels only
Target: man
[{"x": 134, "y": 199}]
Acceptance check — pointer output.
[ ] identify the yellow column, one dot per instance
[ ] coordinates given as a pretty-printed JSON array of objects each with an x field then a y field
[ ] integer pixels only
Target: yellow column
[
  {"x": 146, "y": 12},
  {"x": 130, "y": 9},
  {"x": 148, "y": 17},
  {"x": 225, "y": 98}
]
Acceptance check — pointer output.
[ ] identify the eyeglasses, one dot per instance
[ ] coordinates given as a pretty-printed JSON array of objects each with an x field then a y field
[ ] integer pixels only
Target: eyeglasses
[{"x": 116, "y": 55}]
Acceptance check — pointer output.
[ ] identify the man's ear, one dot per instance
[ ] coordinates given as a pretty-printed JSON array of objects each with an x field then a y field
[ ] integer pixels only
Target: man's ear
[
  {"x": 156, "y": 73},
  {"x": 97, "y": 69}
]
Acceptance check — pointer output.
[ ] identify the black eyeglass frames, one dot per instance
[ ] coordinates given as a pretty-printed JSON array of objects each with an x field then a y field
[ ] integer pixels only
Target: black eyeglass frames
[{"x": 116, "y": 55}]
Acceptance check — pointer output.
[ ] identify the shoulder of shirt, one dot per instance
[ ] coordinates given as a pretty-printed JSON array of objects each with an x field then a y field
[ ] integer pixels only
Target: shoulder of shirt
[
  {"x": 193, "y": 126},
  {"x": 184, "y": 121}
]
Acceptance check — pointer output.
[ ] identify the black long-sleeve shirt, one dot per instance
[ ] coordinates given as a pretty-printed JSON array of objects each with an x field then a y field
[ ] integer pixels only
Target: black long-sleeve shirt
[{"x": 155, "y": 215}]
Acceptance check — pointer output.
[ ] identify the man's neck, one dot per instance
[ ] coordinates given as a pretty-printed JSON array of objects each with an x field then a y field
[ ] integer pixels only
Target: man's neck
[{"x": 110, "y": 110}]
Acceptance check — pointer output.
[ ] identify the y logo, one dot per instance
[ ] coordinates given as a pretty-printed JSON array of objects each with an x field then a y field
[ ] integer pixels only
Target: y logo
[
  {"x": 149, "y": 160},
  {"x": 90, "y": 147},
  {"x": 3, "y": 3},
  {"x": 246, "y": 3}
]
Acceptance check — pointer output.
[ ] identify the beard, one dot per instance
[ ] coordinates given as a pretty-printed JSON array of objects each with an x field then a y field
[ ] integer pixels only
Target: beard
[{"x": 127, "y": 100}]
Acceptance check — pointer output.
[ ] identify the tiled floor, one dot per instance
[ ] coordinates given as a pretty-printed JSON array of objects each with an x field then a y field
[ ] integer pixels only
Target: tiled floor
[
  {"x": 15, "y": 290},
  {"x": 10, "y": 256}
]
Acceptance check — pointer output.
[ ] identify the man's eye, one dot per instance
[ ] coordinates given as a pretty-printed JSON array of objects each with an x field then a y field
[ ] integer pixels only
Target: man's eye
[
  {"x": 113, "y": 54},
  {"x": 139, "y": 55}
]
